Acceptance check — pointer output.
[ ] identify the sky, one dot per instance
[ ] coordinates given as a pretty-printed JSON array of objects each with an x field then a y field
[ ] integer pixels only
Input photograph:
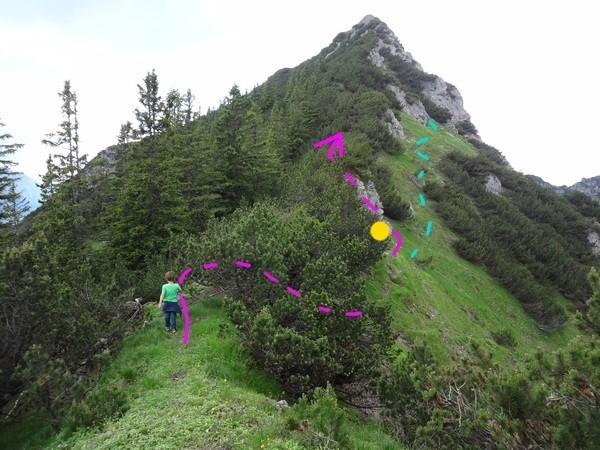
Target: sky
[{"x": 528, "y": 71}]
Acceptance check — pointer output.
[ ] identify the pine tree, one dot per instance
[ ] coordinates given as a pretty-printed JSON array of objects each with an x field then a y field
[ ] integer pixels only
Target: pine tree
[
  {"x": 259, "y": 160},
  {"x": 7, "y": 181},
  {"x": 173, "y": 115},
  {"x": 593, "y": 304},
  {"x": 50, "y": 180},
  {"x": 126, "y": 133},
  {"x": 229, "y": 158},
  {"x": 67, "y": 139},
  {"x": 150, "y": 117},
  {"x": 188, "y": 112},
  {"x": 16, "y": 206}
]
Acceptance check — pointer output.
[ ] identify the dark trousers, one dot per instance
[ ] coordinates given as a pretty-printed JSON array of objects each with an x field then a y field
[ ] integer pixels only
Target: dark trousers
[{"x": 171, "y": 320}]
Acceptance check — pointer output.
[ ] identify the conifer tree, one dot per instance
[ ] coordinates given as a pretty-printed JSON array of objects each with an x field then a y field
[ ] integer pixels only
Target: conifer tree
[
  {"x": 258, "y": 160},
  {"x": 593, "y": 304},
  {"x": 16, "y": 206},
  {"x": 173, "y": 115},
  {"x": 151, "y": 115},
  {"x": 126, "y": 133},
  {"x": 66, "y": 139},
  {"x": 188, "y": 112},
  {"x": 50, "y": 180},
  {"x": 8, "y": 195}
]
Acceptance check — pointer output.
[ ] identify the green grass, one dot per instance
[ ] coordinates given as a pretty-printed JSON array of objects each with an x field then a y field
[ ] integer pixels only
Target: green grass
[
  {"x": 205, "y": 396},
  {"x": 448, "y": 301}
]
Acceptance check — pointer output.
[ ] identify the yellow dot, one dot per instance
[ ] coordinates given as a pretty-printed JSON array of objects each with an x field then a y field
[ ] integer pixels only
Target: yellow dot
[{"x": 380, "y": 231}]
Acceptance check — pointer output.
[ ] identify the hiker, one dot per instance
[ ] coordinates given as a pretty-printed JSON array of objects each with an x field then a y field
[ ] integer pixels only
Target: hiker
[{"x": 169, "y": 295}]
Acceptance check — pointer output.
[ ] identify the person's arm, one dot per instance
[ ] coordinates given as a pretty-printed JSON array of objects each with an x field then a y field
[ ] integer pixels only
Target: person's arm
[{"x": 162, "y": 296}]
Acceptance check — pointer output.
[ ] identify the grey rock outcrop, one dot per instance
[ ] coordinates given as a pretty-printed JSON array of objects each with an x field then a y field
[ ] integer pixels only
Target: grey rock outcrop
[
  {"x": 493, "y": 184},
  {"x": 370, "y": 192},
  {"x": 589, "y": 186},
  {"x": 414, "y": 109},
  {"x": 392, "y": 124},
  {"x": 594, "y": 240},
  {"x": 434, "y": 89}
]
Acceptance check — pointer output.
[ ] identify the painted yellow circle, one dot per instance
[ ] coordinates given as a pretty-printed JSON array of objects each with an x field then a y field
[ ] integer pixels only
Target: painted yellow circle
[{"x": 380, "y": 231}]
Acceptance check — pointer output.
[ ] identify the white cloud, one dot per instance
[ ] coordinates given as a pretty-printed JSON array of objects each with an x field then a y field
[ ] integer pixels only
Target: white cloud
[{"x": 526, "y": 70}]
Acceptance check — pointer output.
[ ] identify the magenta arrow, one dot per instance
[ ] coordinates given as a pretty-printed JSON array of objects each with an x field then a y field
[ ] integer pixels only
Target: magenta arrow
[
  {"x": 337, "y": 141},
  {"x": 399, "y": 240},
  {"x": 185, "y": 339},
  {"x": 184, "y": 275}
]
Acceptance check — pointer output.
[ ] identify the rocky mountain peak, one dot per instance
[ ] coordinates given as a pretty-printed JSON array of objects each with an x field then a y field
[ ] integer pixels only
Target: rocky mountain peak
[{"x": 418, "y": 93}]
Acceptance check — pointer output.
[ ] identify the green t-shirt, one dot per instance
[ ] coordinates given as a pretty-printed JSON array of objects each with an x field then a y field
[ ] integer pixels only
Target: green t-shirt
[{"x": 169, "y": 291}]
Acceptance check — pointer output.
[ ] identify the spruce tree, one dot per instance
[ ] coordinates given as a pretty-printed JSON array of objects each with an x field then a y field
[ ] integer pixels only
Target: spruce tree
[
  {"x": 173, "y": 115},
  {"x": 66, "y": 139},
  {"x": 50, "y": 180},
  {"x": 16, "y": 206},
  {"x": 8, "y": 196},
  {"x": 126, "y": 133},
  {"x": 258, "y": 159},
  {"x": 188, "y": 112},
  {"x": 593, "y": 304},
  {"x": 150, "y": 117}
]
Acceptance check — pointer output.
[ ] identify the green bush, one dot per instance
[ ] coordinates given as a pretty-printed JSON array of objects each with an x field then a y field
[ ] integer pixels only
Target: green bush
[
  {"x": 99, "y": 405},
  {"x": 438, "y": 113},
  {"x": 322, "y": 422},
  {"x": 322, "y": 248},
  {"x": 466, "y": 127},
  {"x": 504, "y": 337},
  {"x": 393, "y": 205}
]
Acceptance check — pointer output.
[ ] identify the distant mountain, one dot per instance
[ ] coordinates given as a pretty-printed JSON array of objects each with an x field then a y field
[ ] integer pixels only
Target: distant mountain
[
  {"x": 30, "y": 191},
  {"x": 588, "y": 186}
]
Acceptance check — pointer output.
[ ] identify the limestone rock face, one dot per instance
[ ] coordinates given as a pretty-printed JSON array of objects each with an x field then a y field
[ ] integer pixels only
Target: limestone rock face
[
  {"x": 416, "y": 109},
  {"x": 371, "y": 193},
  {"x": 447, "y": 96},
  {"x": 392, "y": 124},
  {"x": 493, "y": 184},
  {"x": 434, "y": 88},
  {"x": 589, "y": 186},
  {"x": 594, "y": 240}
]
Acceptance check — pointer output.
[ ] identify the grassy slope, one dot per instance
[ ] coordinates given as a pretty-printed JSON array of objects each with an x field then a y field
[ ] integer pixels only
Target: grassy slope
[
  {"x": 450, "y": 300},
  {"x": 202, "y": 397}
]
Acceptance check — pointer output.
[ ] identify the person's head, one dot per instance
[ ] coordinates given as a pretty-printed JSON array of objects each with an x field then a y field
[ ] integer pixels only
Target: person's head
[{"x": 170, "y": 276}]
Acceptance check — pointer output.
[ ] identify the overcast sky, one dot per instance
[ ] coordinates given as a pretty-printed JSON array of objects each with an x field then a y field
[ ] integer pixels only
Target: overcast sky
[{"x": 528, "y": 70}]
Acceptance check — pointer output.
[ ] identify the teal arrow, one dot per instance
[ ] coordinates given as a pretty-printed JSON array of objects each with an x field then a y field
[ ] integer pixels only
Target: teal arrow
[
  {"x": 424, "y": 156},
  {"x": 422, "y": 141},
  {"x": 428, "y": 228},
  {"x": 432, "y": 124}
]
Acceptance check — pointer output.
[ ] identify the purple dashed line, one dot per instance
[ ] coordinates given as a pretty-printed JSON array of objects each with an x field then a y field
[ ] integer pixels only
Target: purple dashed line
[
  {"x": 350, "y": 179},
  {"x": 243, "y": 264},
  {"x": 324, "y": 309},
  {"x": 369, "y": 204},
  {"x": 210, "y": 265},
  {"x": 270, "y": 277},
  {"x": 354, "y": 313},
  {"x": 294, "y": 292}
]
